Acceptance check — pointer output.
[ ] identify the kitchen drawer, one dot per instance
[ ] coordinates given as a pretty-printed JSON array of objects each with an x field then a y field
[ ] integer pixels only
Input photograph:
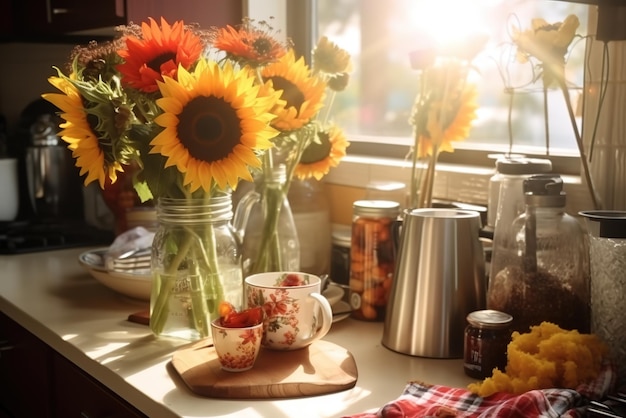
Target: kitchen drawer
[
  {"x": 78, "y": 395},
  {"x": 24, "y": 372}
]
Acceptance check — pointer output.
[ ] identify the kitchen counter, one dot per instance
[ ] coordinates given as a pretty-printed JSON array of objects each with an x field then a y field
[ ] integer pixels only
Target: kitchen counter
[{"x": 54, "y": 298}]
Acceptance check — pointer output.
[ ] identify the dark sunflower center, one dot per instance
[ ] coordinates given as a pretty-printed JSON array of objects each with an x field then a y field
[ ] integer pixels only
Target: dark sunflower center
[
  {"x": 209, "y": 128},
  {"x": 262, "y": 46},
  {"x": 157, "y": 61},
  {"x": 291, "y": 93},
  {"x": 317, "y": 151}
]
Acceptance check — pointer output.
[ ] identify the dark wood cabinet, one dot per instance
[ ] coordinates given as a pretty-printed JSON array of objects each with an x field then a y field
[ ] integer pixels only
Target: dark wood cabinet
[
  {"x": 55, "y": 17},
  {"x": 39, "y": 382},
  {"x": 76, "y": 394},
  {"x": 25, "y": 372}
]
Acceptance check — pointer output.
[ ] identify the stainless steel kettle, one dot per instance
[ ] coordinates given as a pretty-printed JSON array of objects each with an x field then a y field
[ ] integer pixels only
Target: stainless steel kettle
[
  {"x": 53, "y": 182},
  {"x": 439, "y": 278}
]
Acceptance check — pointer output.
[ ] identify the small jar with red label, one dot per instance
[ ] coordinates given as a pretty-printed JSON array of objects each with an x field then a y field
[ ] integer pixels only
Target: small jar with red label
[
  {"x": 372, "y": 257},
  {"x": 487, "y": 336}
]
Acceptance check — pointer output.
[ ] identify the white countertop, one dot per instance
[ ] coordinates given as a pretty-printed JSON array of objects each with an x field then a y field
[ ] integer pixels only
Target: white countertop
[{"x": 53, "y": 297}]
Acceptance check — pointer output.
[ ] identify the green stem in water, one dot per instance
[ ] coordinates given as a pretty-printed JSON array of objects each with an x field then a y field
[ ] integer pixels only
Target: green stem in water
[
  {"x": 206, "y": 290},
  {"x": 158, "y": 316},
  {"x": 269, "y": 257}
]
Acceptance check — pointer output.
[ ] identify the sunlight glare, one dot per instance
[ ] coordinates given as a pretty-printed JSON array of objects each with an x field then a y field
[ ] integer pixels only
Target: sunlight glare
[{"x": 448, "y": 21}]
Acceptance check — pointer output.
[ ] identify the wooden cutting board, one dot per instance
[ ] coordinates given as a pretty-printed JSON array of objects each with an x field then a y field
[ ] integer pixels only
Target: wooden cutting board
[{"x": 321, "y": 368}]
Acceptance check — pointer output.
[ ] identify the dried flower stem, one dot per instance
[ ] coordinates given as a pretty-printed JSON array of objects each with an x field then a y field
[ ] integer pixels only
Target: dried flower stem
[{"x": 597, "y": 204}]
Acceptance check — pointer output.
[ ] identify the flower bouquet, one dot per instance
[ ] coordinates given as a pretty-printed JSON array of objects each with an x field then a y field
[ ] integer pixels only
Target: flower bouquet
[
  {"x": 194, "y": 111},
  {"x": 194, "y": 125},
  {"x": 307, "y": 145},
  {"x": 443, "y": 112},
  {"x": 545, "y": 46}
]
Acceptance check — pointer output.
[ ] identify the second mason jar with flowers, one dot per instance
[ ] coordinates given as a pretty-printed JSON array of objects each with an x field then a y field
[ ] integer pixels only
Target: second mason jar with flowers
[{"x": 196, "y": 263}]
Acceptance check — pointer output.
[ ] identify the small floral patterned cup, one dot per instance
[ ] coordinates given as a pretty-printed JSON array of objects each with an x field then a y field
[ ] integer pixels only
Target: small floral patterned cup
[{"x": 237, "y": 348}]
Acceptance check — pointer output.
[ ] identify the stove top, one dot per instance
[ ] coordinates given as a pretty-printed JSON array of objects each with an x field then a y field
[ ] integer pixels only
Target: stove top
[{"x": 21, "y": 237}]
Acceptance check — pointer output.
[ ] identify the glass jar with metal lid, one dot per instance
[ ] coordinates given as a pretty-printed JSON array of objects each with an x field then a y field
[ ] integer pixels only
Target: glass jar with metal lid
[
  {"x": 372, "y": 257},
  {"x": 486, "y": 338}
]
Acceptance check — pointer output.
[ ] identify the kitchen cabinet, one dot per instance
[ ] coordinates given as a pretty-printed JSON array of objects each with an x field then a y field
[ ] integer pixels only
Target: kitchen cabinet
[
  {"x": 50, "y": 20},
  {"x": 25, "y": 372},
  {"x": 39, "y": 382},
  {"x": 76, "y": 394},
  {"x": 54, "y": 17}
]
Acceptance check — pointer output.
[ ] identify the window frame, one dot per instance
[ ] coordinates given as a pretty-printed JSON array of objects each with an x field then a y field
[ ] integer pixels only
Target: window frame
[{"x": 301, "y": 28}]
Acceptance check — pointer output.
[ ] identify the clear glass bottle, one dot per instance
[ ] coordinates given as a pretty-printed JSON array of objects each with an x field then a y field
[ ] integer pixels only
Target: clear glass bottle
[
  {"x": 372, "y": 257},
  {"x": 311, "y": 214},
  {"x": 265, "y": 224},
  {"x": 509, "y": 200},
  {"x": 196, "y": 264},
  {"x": 540, "y": 268}
]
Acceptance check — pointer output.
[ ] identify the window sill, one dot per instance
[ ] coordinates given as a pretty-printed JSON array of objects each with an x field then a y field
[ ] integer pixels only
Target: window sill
[{"x": 453, "y": 182}]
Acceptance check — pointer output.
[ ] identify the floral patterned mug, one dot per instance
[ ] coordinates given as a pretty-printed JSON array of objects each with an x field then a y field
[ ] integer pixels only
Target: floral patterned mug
[{"x": 296, "y": 313}]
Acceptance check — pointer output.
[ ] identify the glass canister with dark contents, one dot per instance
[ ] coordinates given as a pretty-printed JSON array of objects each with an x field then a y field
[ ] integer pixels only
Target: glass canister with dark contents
[
  {"x": 540, "y": 268},
  {"x": 487, "y": 335},
  {"x": 372, "y": 257}
]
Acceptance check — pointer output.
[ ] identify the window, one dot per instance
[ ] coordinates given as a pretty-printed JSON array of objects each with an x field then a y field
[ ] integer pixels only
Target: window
[{"x": 380, "y": 34}]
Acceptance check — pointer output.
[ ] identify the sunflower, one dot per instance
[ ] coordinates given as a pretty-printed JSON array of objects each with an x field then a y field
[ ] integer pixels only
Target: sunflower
[
  {"x": 441, "y": 135},
  {"x": 249, "y": 44},
  {"x": 215, "y": 121},
  {"x": 545, "y": 41},
  {"x": 94, "y": 156},
  {"x": 330, "y": 59},
  {"x": 157, "y": 54},
  {"x": 303, "y": 95},
  {"x": 320, "y": 156}
]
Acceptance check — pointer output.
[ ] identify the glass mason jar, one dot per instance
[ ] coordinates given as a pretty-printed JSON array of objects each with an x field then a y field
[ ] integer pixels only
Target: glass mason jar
[
  {"x": 540, "y": 268},
  {"x": 266, "y": 227},
  {"x": 372, "y": 257},
  {"x": 196, "y": 264}
]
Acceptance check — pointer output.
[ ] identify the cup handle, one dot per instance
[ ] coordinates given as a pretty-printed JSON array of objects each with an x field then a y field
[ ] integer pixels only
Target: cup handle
[{"x": 327, "y": 317}]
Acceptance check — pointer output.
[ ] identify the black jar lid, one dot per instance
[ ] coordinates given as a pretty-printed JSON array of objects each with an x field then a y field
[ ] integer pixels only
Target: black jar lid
[{"x": 489, "y": 318}]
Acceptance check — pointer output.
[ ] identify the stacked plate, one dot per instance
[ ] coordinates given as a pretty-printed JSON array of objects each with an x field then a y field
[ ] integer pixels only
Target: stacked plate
[
  {"x": 133, "y": 282},
  {"x": 335, "y": 294}
]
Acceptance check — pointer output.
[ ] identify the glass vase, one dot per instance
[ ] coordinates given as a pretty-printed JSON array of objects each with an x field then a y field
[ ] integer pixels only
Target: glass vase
[
  {"x": 311, "y": 213},
  {"x": 196, "y": 264},
  {"x": 266, "y": 226}
]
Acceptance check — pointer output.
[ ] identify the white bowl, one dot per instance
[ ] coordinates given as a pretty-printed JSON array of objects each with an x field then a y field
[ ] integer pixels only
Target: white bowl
[{"x": 137, "y": 286}]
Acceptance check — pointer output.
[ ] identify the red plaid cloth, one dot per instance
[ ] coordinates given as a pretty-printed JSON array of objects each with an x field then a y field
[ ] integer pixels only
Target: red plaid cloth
[{"x": 422, "y": 400}]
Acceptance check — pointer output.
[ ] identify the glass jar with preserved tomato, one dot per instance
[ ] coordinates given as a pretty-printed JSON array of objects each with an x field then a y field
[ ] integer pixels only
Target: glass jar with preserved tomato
[{"x": 372, "y": 257}]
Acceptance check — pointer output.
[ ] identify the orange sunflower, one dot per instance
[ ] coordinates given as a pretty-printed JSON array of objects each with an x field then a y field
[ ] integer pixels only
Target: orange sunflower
[
  {"x": 319, "y": 157},
  {"x": 158, "y": 53},
  {"x": 302, "y": 94},
  {"x": 215, "y": 121},
  {"x": 440, "y": 135},
  {"x": 249, "y": 44}
]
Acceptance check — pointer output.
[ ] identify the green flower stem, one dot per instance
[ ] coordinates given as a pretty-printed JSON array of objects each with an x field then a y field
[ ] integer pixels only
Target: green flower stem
[
  {"x": 269, "y": 250},
  {"x": 426, "y": 191}
]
